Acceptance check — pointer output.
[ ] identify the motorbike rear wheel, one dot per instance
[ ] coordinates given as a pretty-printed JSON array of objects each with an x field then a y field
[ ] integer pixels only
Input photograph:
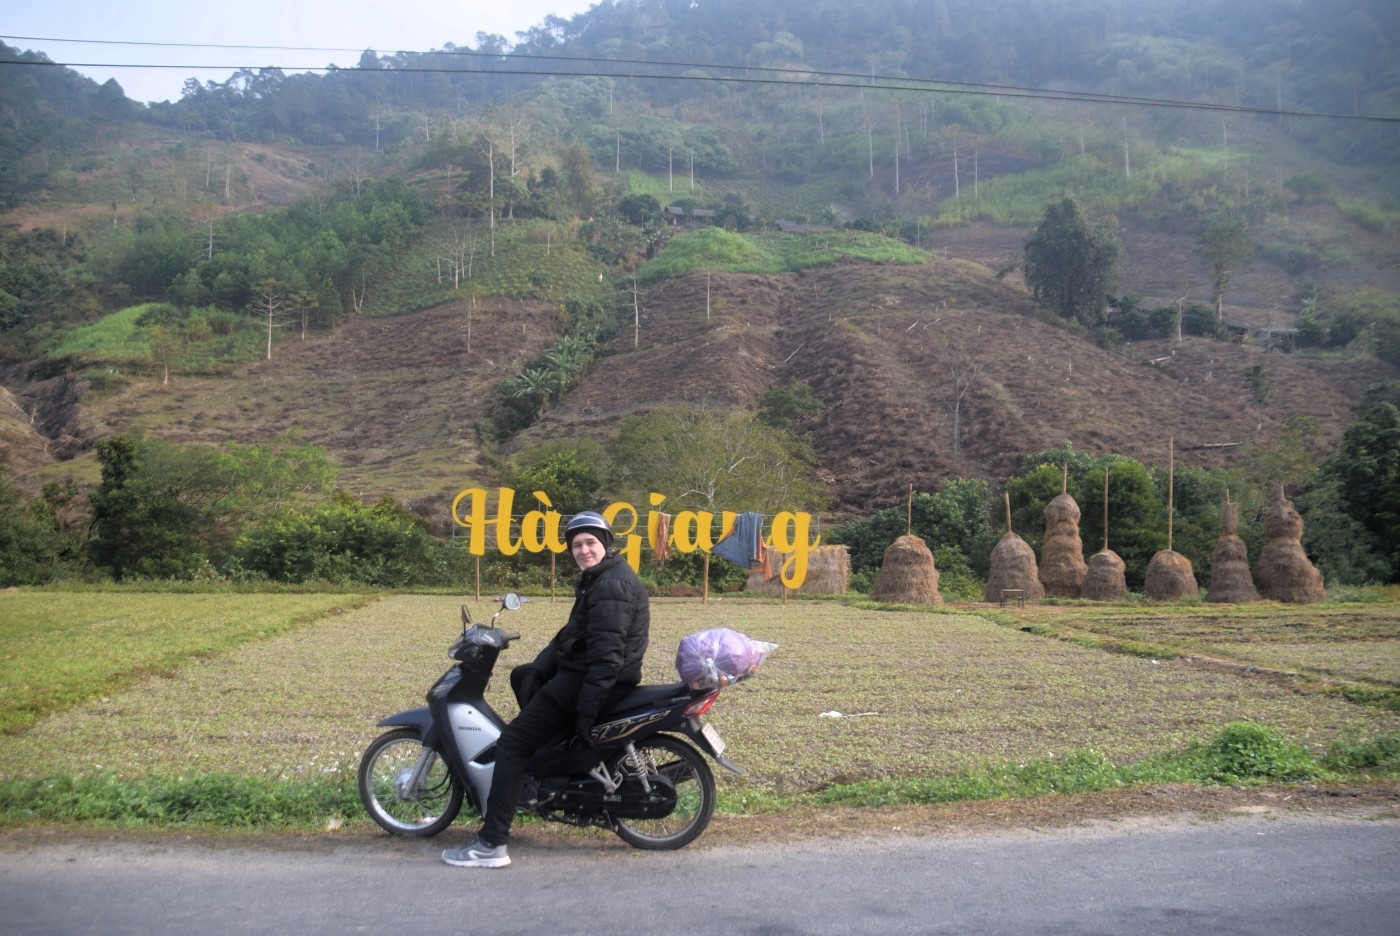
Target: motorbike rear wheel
[
  {"x": 688, "y": 771},
  {"x": 385, "y": 771}
]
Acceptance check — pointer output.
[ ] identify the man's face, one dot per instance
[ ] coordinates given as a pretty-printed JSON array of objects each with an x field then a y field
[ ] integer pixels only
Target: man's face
[{"x": 587, "y": 550}]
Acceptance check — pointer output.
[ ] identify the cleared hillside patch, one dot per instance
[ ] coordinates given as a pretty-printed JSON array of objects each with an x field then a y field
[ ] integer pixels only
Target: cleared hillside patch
[
  {"x": 718, "y": 250},
  {"x": 529, "y": 260}
]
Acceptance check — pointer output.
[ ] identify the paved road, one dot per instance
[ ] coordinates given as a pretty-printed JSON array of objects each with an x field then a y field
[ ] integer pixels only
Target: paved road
[{"x": 1271, "y": 877}]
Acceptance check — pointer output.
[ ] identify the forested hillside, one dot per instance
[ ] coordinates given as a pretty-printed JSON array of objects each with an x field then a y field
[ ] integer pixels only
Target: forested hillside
[{"x": 805, "y": 224}]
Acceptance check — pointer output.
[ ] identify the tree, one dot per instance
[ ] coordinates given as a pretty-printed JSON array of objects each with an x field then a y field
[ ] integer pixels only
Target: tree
[
  {"x": 569, "y": 472},
  {"x": 789, "y": 404},
  {"x": 957, "y": 516},
  {"x": 31, "y": 544},
  {"x": 638, "y": 209},
  {"x": 169, "y": 511},
  {"x": 1223, "y": 246},
  {"x": 140, "y": 525},
  {"x": 964, "y": 365},
  {"x": 1071, "y": 265},
  {"x": 1291, "y": 458},
  {"x": 577, "y": 173},
  {"x": 1366, "y": 475},
  {"x": 270, "y": 305},
  {"x": 1137, "y": 513},
  {"x": 345, "y": 541},
  {"x": 714, "y": 460}
]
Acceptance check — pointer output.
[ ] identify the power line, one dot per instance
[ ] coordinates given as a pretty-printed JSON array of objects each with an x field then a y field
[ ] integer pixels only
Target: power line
[
  {"x": 801, "y": 77},
  {"x": 468, "y": 53},
  {"x": 861, "y": 77}
]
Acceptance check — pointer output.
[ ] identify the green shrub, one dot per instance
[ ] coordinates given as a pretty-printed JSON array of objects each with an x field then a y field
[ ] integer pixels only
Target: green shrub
[
  {"x": 1380, "y": 756},
  {"x": 345, "y": 541},
  {"x": 1244, "y": 752}
]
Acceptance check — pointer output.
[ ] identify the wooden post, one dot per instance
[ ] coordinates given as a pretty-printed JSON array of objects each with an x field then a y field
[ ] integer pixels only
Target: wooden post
[
  {"x": 1171, "y": 483},
  {"x": 1007, "y": 496},
  {"x": 1105, "y": 508},
  {"x": 705, "y": 585},
  {"x": 909, "y": 513},
  {"x": 478, "y": 578},
  {"x": 551, "y": 576}
]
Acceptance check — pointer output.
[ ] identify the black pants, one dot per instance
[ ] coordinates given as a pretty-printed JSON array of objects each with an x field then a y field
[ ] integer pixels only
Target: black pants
[{"x": 549, "y": 714}]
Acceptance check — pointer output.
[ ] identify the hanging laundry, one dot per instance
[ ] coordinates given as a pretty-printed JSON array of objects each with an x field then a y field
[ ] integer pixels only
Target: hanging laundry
[
  {"x": 662, "y": 552},
  {"x": 744, "y": 544}
]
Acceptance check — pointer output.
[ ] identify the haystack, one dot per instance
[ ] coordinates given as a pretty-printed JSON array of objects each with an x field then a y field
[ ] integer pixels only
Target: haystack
[
  {"x": 1169, "y": 574},
  {"x": 828, "y": 573},
  {"x": 1284, "y": 572},
  {"x": 907, "y": 574},
  {"x": 1230, "y": 581},
  {"x": 1012, "y": 565},
  {"x": 1170, "y": 577},
  {"x": 1062, "y": 568},
  {"x": 1104, "y": 579},
  {"x": 1013, "y": 568}
]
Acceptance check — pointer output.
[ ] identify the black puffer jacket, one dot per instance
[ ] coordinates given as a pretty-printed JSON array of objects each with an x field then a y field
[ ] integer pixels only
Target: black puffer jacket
[{"x": 605, "y": 637}]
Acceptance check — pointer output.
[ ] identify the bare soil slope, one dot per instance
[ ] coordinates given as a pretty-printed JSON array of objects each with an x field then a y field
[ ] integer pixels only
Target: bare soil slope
[
  {"x": 397, "y": 401},
  {"x": 879, "y": 344}
]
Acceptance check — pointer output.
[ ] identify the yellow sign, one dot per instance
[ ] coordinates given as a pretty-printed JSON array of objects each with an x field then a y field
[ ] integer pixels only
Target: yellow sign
[{"x": 540, "y": 529}]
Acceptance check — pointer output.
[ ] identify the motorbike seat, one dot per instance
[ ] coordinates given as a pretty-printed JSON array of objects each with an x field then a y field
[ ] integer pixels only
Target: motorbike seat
[{"x": 643, "y": 696}]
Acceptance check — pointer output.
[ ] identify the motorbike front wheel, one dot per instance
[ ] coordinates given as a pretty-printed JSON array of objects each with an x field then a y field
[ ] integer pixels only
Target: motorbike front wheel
[
  {"x": 688, "y": 771},
  {"x": 392, "y": 800}
]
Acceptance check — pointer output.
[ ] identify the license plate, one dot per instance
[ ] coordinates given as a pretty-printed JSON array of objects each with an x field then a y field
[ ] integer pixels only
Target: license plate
[{"x": 713, "y": 737}]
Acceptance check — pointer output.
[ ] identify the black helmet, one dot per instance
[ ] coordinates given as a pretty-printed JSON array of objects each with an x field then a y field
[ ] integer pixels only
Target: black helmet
[{"x": 590, "y": 522}]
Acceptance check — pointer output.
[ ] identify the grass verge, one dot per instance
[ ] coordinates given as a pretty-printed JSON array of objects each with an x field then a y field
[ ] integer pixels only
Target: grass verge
[{"x": 1241, "y": 754}]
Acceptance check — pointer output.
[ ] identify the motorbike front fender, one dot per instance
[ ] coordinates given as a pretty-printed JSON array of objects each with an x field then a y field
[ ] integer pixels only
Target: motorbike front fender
[{"x": 419, "y": 719}]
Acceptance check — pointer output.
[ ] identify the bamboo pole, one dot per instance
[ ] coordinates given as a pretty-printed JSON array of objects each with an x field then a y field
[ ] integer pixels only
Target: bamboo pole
[
  {"x": 705, "y": 586},
  {"x": 1007, "y": 496},
  {"x": 909, "y": 513},
  {"x": 1171, "y": 485},
  {"x": 1105, "y": 508}
]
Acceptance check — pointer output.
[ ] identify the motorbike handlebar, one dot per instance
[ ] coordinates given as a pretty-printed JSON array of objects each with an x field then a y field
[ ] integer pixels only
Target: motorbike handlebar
[{"x": 510, "y": 637}]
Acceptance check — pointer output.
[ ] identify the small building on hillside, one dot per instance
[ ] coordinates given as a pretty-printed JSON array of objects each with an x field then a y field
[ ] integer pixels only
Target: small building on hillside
[{"x": 681, "y": 216}]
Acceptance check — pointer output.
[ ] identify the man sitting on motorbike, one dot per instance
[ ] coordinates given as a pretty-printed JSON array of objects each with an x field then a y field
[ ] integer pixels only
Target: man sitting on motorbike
[{"x": 594, "y": 660}]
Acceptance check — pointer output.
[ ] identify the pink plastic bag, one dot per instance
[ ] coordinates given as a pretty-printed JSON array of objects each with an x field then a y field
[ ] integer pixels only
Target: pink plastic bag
[{"x": 718, "y": 657}]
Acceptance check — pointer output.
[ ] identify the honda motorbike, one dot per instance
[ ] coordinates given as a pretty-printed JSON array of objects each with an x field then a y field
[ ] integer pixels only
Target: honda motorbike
[{"x": 644, "y": 776}]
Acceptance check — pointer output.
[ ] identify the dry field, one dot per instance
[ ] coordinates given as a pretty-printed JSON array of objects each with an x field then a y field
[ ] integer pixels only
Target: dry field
[{"x": 918, "y": 694}]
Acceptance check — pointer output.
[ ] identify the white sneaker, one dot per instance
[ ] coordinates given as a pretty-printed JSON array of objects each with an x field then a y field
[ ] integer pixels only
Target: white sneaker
[{"x": 477, "y": 854}]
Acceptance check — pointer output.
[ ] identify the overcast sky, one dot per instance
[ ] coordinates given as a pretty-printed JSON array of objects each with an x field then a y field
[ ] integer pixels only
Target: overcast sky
[{"x": 383, "y": 25}]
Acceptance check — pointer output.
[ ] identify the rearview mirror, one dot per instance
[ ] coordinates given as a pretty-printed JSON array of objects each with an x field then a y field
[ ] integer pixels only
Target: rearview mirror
[{"x": 511, "y": 602}]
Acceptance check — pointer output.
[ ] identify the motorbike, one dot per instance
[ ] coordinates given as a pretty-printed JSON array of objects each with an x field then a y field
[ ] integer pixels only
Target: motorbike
[{"x": 644, "y": 778}]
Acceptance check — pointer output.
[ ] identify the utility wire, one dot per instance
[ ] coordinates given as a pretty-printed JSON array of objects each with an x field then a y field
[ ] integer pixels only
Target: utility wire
[
  {"x": 597, "y": 60},
  {"x": 468, "y": 53},
  {"x": 800, "y": 77}
]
